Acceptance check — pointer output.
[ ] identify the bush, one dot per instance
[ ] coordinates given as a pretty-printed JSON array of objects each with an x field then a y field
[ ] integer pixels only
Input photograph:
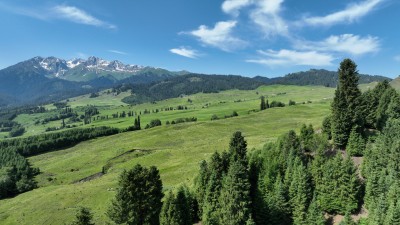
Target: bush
[
  {"x": 276, "y": 104},
  {"x": 214, "y": 117},
  {"x": 17, "y": 131},
  {"x": 292, "y": 102},
  {"x": 153, "y": 123}
]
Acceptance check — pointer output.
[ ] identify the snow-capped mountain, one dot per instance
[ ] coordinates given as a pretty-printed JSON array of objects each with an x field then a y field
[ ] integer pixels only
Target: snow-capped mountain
[{"x": 85, "y": 70}]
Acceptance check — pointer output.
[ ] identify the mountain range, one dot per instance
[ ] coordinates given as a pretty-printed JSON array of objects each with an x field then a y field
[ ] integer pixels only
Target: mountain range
[{"x": 40, "y": 80}]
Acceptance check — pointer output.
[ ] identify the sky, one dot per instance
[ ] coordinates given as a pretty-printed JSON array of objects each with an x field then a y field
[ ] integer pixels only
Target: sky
[{"x": 242, "y": 37}]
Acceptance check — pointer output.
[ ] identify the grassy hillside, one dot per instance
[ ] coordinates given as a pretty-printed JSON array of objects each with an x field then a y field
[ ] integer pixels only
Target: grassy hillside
[{"x": 175, "y": 149}]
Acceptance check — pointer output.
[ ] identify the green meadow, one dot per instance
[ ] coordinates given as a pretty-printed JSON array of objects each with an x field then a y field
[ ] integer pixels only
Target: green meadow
[{"x": 175, "y": 149}]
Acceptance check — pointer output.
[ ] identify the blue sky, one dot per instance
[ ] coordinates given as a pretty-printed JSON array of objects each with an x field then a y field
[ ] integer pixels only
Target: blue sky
[{"x": 247, "y": 37}]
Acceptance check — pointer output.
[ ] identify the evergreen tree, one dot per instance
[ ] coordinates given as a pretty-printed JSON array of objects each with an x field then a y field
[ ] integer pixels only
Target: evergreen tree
[
  {"x": 278, "y": 207},
  {"x": 210, "y": 215},
  {"x": 299, "y": 193},
  {"x": 167, "y": 214},
  {"x": 338, "y": 188},
  {"x": 306, "y": 136},
  {"x": 235, "y": 196},
  {"x": 201, "y": 183},
  {"x": 356, "y": 144},
  {"x": 83, "y": 217},
  {"x": 138, "y": 199},
  {"x": 238, "y": 147},
  {"x": 326, "y": 127},
  {"x": 346, "y": 111},
  {"x": 347, "y": 220},
  {"x": 267, "y": 106},
  {"x": 315, "y": 216},
  {"x": 262, "y": 104},
  {"x": 176, "y": 209}
]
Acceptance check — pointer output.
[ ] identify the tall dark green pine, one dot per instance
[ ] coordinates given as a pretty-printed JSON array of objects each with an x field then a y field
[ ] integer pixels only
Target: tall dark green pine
[
  {"x": 278, "y": 207},
  {"x": 176, "y": 209},
  {"x": 238, "y": 147},
  {"x": 299, "y": 192},
  {"x": 83, "y": 217},
  {"x": 138, "y": 199},
  {"x": 210, "y": 209},
  {"x": 315, "y": 216},
  {"x": 356, "y": 144},
  {"x": 166, "y": 213},
  {"x": 235, "y": 196},
  {"x": 346, "y": 111},
  {"x": 201, "y": 183},
  {"x": 262, "y": 104}
]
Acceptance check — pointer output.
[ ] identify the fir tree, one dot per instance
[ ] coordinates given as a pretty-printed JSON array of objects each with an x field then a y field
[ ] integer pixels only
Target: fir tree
[
  {"x": 346, "y": 111},
  {"x": 83, "y": 217},
  {"x": 262, "y": 104},
  {"x": 235, "y": 196},
  {"x": 356, "y": 144},
  {"x": 238, "y": 147},
  {"x": 176, "y": 209},
  {"x": 138, "y": 199},
  {"x": 315, "y": 216}
]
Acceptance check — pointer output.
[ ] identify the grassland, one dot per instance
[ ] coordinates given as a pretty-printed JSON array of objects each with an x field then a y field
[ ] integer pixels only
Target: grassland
[{"x": 175, "y": 149}]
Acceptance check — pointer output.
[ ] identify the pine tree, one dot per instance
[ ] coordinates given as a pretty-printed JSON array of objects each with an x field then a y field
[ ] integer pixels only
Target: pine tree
[
  {"x": 166, "y": 213},
  {"x": 210, "y": 209},
  {"x": 326, "y": 127},
  {"x": 238, "y": 147},
  {"x": 267, "y": 106},
  {"x": 262, "y": 104},
  {"x": 138, "y": 199},
  {"x": 306, "y": 136},
  {"x": 315, "y": 216},
  {"x": 299, "y": 193},
  {"x": 347, "y": 220},
  {"x": 235, "y": 196},
  {"x": 356, "y": 144},
  {"x": 201, "y": 183},
  {"x": 278, "y": 207},
  {"x": 83, "y": 217},
  {"x": 346, "y": 111},
  {"x": 176, "y": 209}
]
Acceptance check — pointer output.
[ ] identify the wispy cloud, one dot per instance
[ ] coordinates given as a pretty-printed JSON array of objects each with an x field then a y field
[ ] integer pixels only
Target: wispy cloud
[
  {"x": 76, "y": 15},
  {"x": 345, "y": 43},
  {"x": 286, "y": 57},
  {"x": 186, "y": 52},
  {"x": 397, "y": 58},
  {"x": 267, "y": 16},
  {"x": 62, "y": 12},
  {"x": 220, "y": 36},
  {"x": 233, "y": 6},
  {"x": 117, "y": 52},
  {"x": 352, "y": 13}
]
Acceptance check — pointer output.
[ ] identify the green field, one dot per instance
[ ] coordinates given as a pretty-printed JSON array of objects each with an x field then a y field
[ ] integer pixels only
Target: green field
[{"x": 175, "y": 149}]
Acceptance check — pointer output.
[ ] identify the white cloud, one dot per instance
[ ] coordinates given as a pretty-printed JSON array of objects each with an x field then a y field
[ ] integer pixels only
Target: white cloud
[
  {"x": 64, "y": 12},
  {"x": 397, "y": 58},
  {"x": 76, "y": 15},
  {"x": 118, "y": 52},
  {"x": 267, "y": 16},
  {"x": 345, "y": 43},
  {"x": 233, "y": 6},
  {"x": 186, "y": 52},
  {"x": 286, "y": 57},
  {"x": 352, "y": 13},
  {"x": 220, "y": 36}
]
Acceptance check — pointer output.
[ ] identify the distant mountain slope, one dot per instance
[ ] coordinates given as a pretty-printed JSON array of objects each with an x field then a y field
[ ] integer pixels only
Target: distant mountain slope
[
  {"x": 40, "y": 80},
  {"x": 189, "y": 84},
  {"x": 316, "y": 77},
  {"x": 395, "y": 83},
  {"x": 49, "y": 79}
]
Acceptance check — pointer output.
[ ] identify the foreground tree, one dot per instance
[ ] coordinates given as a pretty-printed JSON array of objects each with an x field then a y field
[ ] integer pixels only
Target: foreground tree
[
  {"x": 83, "y": 217},
  {"x": 235, "y": 196},
  {"x": 138, "y": 200},
  {"x": 176, "y": 209},
  {"x": 346, "y": 111}
]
